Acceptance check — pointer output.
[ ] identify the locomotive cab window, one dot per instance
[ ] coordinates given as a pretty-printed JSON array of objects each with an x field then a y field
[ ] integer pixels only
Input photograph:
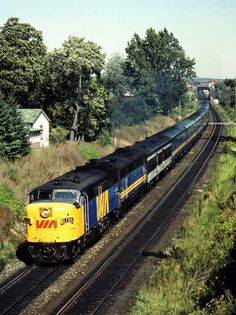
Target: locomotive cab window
[
  {"x": 41, "y": 195},
  {"x": 70, "y": 195}
]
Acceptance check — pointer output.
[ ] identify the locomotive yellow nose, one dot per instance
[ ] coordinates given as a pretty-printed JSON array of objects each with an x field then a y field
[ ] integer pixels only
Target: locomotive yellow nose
[{"x": 54, "y": 222}]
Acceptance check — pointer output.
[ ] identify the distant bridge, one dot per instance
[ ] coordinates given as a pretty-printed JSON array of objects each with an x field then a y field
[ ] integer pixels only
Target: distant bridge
[{"x": 203, "y": 91}]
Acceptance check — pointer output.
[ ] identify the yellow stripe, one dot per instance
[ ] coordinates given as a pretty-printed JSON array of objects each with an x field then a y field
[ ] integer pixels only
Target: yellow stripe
[
  {"x": 102, "y": 202},
  {"x": 132, "y": 187},
  {"x": 185, "y": 142},
  {"x": 195, "y": 133},
  {"x": 179, "y": 148}
]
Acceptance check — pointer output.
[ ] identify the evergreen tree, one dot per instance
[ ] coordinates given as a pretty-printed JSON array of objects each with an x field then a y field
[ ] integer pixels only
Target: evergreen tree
[{"x": 14, "y": 139}]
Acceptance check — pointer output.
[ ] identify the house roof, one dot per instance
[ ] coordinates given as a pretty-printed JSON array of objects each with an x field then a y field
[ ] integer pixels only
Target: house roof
[
  {"x": 35, "y": 129},
  {"x": 30, "y": 115}
]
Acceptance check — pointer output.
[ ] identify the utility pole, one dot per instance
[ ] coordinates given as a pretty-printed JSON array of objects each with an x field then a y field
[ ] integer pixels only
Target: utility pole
[{"x": 179, "y": 109}]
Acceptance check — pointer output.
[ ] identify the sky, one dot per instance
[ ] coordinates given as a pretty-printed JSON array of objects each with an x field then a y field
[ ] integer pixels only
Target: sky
[{"x": 205, "y": 28}]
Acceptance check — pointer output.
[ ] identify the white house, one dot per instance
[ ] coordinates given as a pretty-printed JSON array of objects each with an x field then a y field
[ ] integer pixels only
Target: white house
[{"x": 38, "y": 122}]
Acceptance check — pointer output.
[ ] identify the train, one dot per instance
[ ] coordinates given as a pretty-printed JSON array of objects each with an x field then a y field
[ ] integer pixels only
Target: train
[{"x": 67, "y": 212}]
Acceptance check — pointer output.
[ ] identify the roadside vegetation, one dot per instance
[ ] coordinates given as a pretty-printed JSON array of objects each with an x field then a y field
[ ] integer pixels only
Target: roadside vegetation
[{"x": 198, "y": 276}]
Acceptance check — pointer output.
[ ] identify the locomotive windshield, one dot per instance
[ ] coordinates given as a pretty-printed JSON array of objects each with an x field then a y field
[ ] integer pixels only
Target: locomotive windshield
[
  {"x": 70, "y": 195},
  {"x": 65, "y": 195}
]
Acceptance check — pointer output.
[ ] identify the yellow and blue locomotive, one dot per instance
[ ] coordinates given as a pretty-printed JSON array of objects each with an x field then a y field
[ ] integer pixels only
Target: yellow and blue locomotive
[{"x": 68, "y": 211}]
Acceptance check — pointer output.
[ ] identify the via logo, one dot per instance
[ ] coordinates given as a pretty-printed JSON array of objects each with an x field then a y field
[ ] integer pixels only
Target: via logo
[{"x": 46, "y": 224}]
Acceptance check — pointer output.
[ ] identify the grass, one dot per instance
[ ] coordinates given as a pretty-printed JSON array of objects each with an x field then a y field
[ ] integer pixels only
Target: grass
[
  {"x": 188, "y": 281},
  {"x": 7, "y": 250},
  {"x": 88, "y": 152},
  {"x": 129, "y": 135},
  {"x": 8, "y": 200}
]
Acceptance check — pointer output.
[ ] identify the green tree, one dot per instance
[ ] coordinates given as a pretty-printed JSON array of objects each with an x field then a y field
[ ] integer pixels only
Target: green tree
[
  {"x": 161, "y": 55},
  {"x": 14, "y": 139},
  {"x": 58, "y": 135},
  {"x": 119, "y": 88},
  {"x": 226, "y": 92},
  {"x": 74, "y": 81},
  {"x": 114, "y": 78},
  {"x": 22, "y": 56},
  {"x": 143, "y": 103},
  {"x": 129, "y": 104}
]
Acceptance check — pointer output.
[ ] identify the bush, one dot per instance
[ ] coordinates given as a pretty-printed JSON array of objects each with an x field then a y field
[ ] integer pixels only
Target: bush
[
  {"x": 12, "y": 174},
  {"x": 7, "y": 199},
  {"x": 88, "y": 152},
  {"x": 7, "y": 251},
  {"x": 5, "y": 222},
  {"x": 58, "y": 135},
  {"x": 104, "y": 138}
]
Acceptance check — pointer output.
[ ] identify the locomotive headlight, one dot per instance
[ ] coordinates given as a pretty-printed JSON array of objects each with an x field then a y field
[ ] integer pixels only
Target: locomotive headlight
[{"x": 45, "y": 213}]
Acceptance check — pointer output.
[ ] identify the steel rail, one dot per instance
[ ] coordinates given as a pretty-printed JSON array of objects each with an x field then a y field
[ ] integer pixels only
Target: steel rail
[
  {"x": 18, "y": 294},
  {"x": 16, "y": 278}
]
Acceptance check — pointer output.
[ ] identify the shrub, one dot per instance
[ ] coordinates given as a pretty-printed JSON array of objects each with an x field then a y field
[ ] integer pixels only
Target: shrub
[
  {"x": 7, "y": 251},
  {"x": 104, "y": 138},
  {"x": 58, "y": 135},
  {"x": 12, "y": 174},
  {"x": 5, "y": 222},
  {"x": 7, "y": 199},
  {"x": 88, "y": 152}
]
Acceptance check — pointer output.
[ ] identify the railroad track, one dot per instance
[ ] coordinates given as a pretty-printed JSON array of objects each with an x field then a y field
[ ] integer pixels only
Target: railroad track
[
  {"x": 90, "y": 296},
  {"x": 16, "y": 277},
  {"x": 23, "y": 287}
]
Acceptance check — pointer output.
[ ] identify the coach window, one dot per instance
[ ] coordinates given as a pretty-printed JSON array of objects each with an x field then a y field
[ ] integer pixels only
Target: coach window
[
  {"x": 167, "y": 153},
  {"x": 152, "y": 164},
  {"x": 160, "y": 158}
]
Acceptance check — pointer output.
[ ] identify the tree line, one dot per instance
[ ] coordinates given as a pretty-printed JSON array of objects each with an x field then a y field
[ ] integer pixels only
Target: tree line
[
  {"x": 226, "y": 92},
  {"x": 81, "y": 91}
]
